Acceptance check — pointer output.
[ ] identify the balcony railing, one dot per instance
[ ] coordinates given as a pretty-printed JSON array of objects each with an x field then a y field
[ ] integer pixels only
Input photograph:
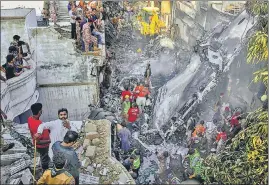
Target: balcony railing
[{"x": 19, "y": 93}]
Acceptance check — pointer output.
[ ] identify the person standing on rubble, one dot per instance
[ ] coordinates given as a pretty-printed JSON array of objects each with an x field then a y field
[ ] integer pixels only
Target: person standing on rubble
[
  {"x": 43, "y": 142},
  {"x": 125, "y": 137},
  {"x": 137, "y": 161},
  {"x": 221, "y": 139},
  {"x": 66, "y": 147},
  {"x": 133, "y": 114},
  {"x": 162, "y": 157},
  {"x": 126, "y": 105},
  {"x": 199, "y": 129},
  {"x": 142, "y": 98},
  {"x": 210, "y": 133},
  {"x": 58, "y": 174},
  {"x": 124, "y": 93},
  {"x": 4, "y": 146},
  {"x": 147, "y": 75},
  {"x": 58, "y": 128},
  {"x": 137, "y": 89}
]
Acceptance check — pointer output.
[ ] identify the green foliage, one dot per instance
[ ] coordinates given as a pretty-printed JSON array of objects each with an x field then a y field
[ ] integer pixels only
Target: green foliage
[
  {"x": 257, "y": 48},
  {"x": 257, "y": 7}
]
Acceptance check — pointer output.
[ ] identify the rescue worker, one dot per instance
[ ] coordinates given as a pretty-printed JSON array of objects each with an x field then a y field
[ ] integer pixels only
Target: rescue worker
[
  {"x": 137, "y": 90},
  {"x": 125, "y": 137},
  {"x": 142, "y": 98},
  {"x": 147, "y": 75},
  {"x": 58, "y": 174},
  {"x": 235, "y": 125},
  {"x": 195, "y": 162},
  {"x": 199, "y": 129},
  {"x": 125, "y": 92},
  {"x": 133, "y": 114},
  {"x": 127, "y": 163},
  {"x": 162, "y": 157},
  {"x": 137, "y": 161},
  {"x": 4, "y": 146},
  {"x": 221, "y": 140},
  {"x": 126, "y": 105},
  {"x": 210, "y": 133},
  {"x": 190, "y": 128}
]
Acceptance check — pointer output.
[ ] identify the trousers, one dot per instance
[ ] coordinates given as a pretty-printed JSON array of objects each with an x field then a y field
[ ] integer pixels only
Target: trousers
[{"x": 44, "y": 157}]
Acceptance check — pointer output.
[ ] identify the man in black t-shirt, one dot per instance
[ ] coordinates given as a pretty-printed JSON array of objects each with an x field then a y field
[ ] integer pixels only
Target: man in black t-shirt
[{"x": 10, "y": 69}]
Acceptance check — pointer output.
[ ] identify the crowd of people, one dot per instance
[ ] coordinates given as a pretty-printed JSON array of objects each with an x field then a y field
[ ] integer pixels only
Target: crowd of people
[
  {"x": 133, "y": 106},
  {"x": 15, "y": 59},
  {"x": 56, "y": 142},
  {"x": 225, "y": 124},
  {"x": 86, "y": 24}
]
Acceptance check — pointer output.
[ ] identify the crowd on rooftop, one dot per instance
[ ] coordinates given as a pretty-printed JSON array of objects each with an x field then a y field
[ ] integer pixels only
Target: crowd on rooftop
[
  {"x": 86, "y": 24},
  {"x": 16, "y": 60}
]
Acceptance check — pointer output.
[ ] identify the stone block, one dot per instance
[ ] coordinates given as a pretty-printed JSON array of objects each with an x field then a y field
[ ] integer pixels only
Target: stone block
[
  {"x": 85, "y": 162},
  {"x": 90, "y": 151},
  {"x": 89, "y": 127},
  {"x": 86, "y": 143},
  {"x": 96, "y": 142},
  {"x": 92, "y": 135}
]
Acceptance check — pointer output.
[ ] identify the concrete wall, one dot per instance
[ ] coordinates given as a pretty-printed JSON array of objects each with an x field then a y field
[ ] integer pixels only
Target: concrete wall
[
  {"x": 65, "y": 76},
  {"x": 18, "y": 93}
]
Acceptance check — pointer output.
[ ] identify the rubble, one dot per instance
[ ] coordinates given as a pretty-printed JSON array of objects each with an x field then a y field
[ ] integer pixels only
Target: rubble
[
  {"x": 17, "y": 163},
  {"x": 98, "y": 167}
]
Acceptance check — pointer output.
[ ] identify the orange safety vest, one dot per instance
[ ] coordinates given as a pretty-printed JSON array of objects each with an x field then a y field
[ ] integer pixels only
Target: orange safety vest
[
  {"x": 144, "y": 92},
  {"x": 198, "y": 129}
]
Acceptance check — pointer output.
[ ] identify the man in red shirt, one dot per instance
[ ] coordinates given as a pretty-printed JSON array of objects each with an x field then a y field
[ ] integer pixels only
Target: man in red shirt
[
  {"x": 221, "y": 135},
  {"x": 124, "y": 93},
  {"x": 235, "y": 125},
  {"x": 42, "y": 144},
  {"x": 133, "y": 114}
]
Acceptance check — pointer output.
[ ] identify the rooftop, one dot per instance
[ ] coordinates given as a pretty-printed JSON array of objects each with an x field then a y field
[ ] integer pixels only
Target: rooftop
[{"x": 15, "y": 13}]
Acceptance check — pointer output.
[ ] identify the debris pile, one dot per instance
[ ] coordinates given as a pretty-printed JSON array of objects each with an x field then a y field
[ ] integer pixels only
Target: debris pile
[
  {"x": 98, "y": 167},
  {"x": 17, "y": 164}
]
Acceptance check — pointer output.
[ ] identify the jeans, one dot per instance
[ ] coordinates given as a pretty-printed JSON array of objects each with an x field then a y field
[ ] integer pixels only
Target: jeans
[
  {"x": 73, "y": 31},
  {"x": 76, "y": 181},
  {"x": 98, "y": 35},
  {"x": 44, "y": 157}
]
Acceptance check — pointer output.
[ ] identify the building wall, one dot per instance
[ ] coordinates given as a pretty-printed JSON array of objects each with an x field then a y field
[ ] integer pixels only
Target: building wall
[{"x": 66, "y": 78}]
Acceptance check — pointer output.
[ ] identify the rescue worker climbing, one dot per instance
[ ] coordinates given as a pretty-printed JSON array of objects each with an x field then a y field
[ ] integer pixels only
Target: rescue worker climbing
[
  {"x": 147, "y": 75},
  {"x": 125, "y": 137},
  {"x": 126, "y": 104},
  {"x": 137, "y": 161},
  {"x": 195, "y": 162}
]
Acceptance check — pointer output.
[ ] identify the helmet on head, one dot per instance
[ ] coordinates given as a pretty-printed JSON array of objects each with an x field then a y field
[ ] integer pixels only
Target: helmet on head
[{"x": 264, "y": 98}]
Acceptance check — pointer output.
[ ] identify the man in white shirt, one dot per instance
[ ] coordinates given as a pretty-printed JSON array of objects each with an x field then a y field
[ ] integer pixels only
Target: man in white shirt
[
  {"x": 72, "y": 14},
  {"x": 58, "y": 128}
]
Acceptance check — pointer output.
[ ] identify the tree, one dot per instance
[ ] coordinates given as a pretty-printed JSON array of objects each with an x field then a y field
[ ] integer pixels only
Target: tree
[{"x": 245, "y": 160}]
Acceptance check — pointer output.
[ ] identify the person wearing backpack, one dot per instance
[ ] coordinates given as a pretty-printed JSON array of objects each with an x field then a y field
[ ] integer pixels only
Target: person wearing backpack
[{"x": 57, "y": 174}]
